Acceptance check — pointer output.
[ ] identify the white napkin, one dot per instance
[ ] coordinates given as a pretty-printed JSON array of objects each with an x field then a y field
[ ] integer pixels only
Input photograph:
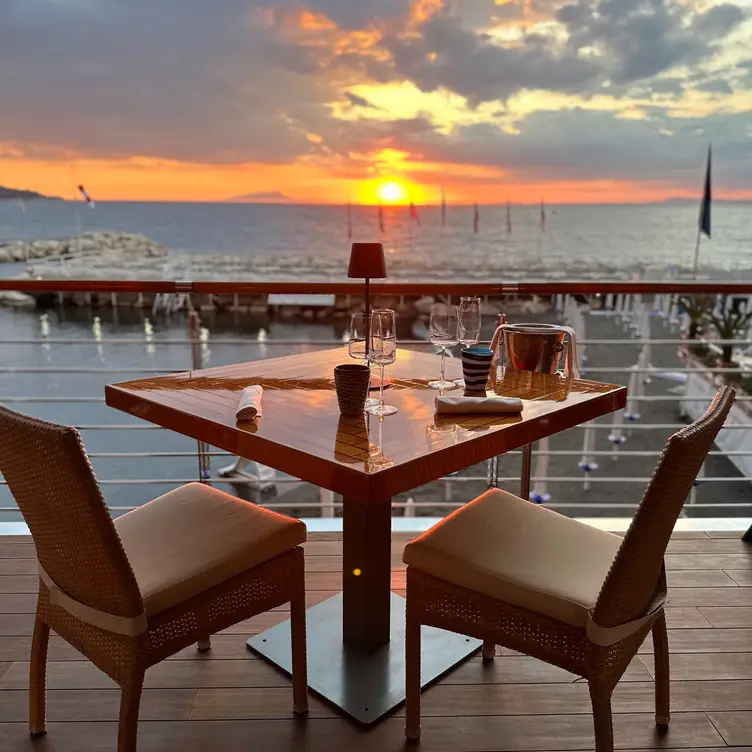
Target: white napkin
[
  {"x": 249, "y": 406},
  {"x": 469, "y": 405}
]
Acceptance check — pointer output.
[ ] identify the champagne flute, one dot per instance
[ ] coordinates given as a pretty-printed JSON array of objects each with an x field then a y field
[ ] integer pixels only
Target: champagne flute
[
  {"x": 359, "y": 328},
  {"x": 444, "y": 333},
  {"x": 469, "y": 325},
  {"x": 383, "y": 353}
]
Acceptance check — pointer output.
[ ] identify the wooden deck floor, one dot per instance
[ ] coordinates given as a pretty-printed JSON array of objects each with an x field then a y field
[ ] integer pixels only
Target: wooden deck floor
[{"x": 230, "y": 700}]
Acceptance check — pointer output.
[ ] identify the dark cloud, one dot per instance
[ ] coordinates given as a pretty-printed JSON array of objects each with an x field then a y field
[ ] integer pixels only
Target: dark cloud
[
  {"x": 715, "y": 86},
  {"x": 638, "y": 39}
]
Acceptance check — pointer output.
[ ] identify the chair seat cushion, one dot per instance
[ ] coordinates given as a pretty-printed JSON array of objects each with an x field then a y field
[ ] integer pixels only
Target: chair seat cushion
[
  {"x": 509, "y": 549},
  {"x": 196, "y": 537}
]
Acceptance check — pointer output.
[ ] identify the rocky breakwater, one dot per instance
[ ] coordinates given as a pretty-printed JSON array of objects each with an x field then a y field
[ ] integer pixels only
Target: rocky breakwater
[{"x": 105, "y": 242}]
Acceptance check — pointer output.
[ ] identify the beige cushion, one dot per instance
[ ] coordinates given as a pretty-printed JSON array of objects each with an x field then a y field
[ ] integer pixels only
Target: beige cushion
[
  {"x": 510, "y": 549},
  {"x": 196, "y": 537}
]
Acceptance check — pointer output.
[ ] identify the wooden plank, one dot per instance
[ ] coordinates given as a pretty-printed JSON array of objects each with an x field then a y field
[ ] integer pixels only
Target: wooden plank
[
  {"x": 249, "y": 703},
  {"x": 517, "y": 669},
  {"x": 723, "y": 596},
  {"x": 17, "y": 550},
  {"x": 736, "y": 728},
  {"x": 705, "y": 641},
  {"x": 15, "y": 625},
  {"x": 709, "y": 561},
  {"x": 741, "y": 577},
  {"x": 18, "y": 565},
  {"x": 687, "y": 578},
  {"x": 706, "y": 666},
  {"x": 19, "y": 648},
  {"x": 720, "y": 535},
  {"x": 99, "y": 705},
  {"x": 686, "y": 618},
  {"x": 165, "y": 675},
  {"x": 19, "y": 584},
  {"x": 707, "y": 545},
  {"x": 18, "y": 603},
  {"x": 468, "y": 734},
  {"x": 728, "y": 617}
]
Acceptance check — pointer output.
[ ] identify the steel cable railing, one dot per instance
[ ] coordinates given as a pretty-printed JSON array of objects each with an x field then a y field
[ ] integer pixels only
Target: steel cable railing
[{"x": 639, "y": 340}]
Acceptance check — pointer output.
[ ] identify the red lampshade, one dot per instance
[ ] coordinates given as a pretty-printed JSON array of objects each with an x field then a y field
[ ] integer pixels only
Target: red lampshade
[{"x": 367, "y": 261}]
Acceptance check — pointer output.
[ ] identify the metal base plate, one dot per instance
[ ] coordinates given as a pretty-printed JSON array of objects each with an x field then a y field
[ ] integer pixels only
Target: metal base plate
[{"x": 366, "y": 686}]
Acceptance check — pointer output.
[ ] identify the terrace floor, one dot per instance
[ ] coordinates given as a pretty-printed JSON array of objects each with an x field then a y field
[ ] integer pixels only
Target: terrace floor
[{"x": 230, "y": 700}]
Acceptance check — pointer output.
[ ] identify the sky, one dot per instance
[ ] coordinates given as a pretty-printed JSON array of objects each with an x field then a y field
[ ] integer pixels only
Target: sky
[{"x": 325, "y": 101}]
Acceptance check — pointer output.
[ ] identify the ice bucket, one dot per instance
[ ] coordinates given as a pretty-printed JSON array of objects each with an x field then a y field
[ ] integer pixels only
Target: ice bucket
[{"x": 537, "y": 347}]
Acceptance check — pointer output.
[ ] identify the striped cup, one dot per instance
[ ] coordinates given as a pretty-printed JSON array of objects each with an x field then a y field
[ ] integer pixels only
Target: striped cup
[{"x": 476, "y": 367}]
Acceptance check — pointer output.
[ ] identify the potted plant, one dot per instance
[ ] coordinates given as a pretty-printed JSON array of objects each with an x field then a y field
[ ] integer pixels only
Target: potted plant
[
  {"x": 696, "y": 307},
  {"x": 729, "y": 324}
]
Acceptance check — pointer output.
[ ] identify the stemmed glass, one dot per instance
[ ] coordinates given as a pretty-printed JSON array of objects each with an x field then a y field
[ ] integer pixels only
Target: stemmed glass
[
  {"x": 444, "y": 333},
  {"x": 469, "y": 321},
  {"x": 383, "y": 352},
  {"x": 359, "y": 326},
  {"x": 469, "y": 325}
]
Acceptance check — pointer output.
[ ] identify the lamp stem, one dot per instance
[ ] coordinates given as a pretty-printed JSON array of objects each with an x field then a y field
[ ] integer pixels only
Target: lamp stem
[{"x": 368, "y": 318}]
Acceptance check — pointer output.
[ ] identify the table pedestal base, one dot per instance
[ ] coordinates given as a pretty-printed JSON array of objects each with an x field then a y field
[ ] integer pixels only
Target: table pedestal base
[{"x": 364, "y": 685}]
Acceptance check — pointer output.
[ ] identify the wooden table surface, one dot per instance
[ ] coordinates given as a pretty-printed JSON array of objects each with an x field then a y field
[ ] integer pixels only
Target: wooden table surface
[{"x": 302, "y": 432}]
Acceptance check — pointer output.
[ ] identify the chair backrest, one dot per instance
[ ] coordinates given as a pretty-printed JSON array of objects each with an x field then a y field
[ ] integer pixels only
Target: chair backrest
[
  {"x": 51, "y": 479},
  {"x": 632, "y": 579}
]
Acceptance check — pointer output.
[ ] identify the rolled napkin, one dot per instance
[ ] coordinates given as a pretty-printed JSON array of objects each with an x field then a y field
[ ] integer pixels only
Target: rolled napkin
[
  {"x": 249, "y": 406},
  {"x": 470, "y": 405}
]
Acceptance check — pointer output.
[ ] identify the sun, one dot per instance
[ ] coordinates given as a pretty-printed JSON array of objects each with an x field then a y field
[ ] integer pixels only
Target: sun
[{"x": 392, "y": 192}]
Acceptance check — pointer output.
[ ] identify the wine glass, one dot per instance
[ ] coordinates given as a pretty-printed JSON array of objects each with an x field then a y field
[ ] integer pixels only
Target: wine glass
[
  {"x": 444, "y": 333},
  {"x": 359, "y": 328},
  {"x": 469, "y": 325},
  {"x": 383, "y": 353},
  {"x": 469, "y": 320}
]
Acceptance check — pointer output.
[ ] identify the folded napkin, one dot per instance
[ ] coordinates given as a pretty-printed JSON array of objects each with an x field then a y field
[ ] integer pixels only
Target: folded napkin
[
  {"x": 249, "y": 406},
  {"x": 468, "y": 405}
]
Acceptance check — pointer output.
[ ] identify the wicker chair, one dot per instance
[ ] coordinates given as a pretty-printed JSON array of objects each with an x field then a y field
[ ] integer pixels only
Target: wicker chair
[
  {"x": 160, "y": 578},
  {"x": 511, "y": 573}
]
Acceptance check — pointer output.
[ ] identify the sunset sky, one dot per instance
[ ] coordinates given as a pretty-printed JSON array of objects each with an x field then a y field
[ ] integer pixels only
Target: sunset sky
[{"x": 326, "y": 100}]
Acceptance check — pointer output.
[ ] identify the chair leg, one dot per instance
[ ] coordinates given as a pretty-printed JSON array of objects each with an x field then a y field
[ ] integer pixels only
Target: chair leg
[
  {"x": 299, "y": 661},
  {"x": 412, "y": 678},
  {"x": 600, "y": 698},
  {"x": 204, "y": 644},
  {"x": 38, "y": 677},
  {"x": 662, "y": 685},
  {"x": 488, "y": 651},
  {"x": 130, "y": 700}
]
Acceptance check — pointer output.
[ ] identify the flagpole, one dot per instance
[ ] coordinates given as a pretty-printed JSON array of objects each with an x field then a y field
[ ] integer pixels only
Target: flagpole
[{"x": 697, "y": 253}]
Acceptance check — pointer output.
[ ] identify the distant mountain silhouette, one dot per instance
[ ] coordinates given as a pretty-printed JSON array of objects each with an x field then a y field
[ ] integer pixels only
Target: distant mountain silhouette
[
  {"x": 13, "y": 193},
  {"x": 264, "y": 197}
]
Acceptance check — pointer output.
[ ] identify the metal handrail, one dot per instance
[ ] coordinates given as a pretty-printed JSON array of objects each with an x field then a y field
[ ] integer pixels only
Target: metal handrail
[{"x": 512, "y": 287}]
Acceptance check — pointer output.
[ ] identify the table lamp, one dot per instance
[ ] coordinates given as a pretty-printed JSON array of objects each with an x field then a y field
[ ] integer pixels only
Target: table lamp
[{"x": 367, "y": 262}]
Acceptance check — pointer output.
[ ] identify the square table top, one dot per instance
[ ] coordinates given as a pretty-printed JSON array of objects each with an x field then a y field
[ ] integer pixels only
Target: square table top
[{"x": 302, "y": 432}]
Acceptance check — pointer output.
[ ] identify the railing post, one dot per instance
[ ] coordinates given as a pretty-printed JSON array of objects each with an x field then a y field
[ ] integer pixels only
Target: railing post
[{"x": 202, "y": 451}]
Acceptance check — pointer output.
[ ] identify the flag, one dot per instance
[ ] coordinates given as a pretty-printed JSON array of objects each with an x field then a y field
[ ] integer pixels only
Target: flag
[
  {"x": 349, "y": 222},
  {"x": 414, "y": 214},
  {"x": 86, "y": 196},
  {"x": 476, "y": 217},
  {"x": 381, "y": 218},
  {"x": 509, "y": 217},
  {"x": 706, "y": 200},
  {"x": 443, "y": 207},
  {"x": 543, "y": 217}
]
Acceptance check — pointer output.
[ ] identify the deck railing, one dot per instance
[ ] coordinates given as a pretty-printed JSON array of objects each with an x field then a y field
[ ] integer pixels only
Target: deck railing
[{"x": 647, "y": 291}]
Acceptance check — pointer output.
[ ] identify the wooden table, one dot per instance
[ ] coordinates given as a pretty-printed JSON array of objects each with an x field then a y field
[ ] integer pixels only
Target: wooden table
[{"x": 355, "y": 640}]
